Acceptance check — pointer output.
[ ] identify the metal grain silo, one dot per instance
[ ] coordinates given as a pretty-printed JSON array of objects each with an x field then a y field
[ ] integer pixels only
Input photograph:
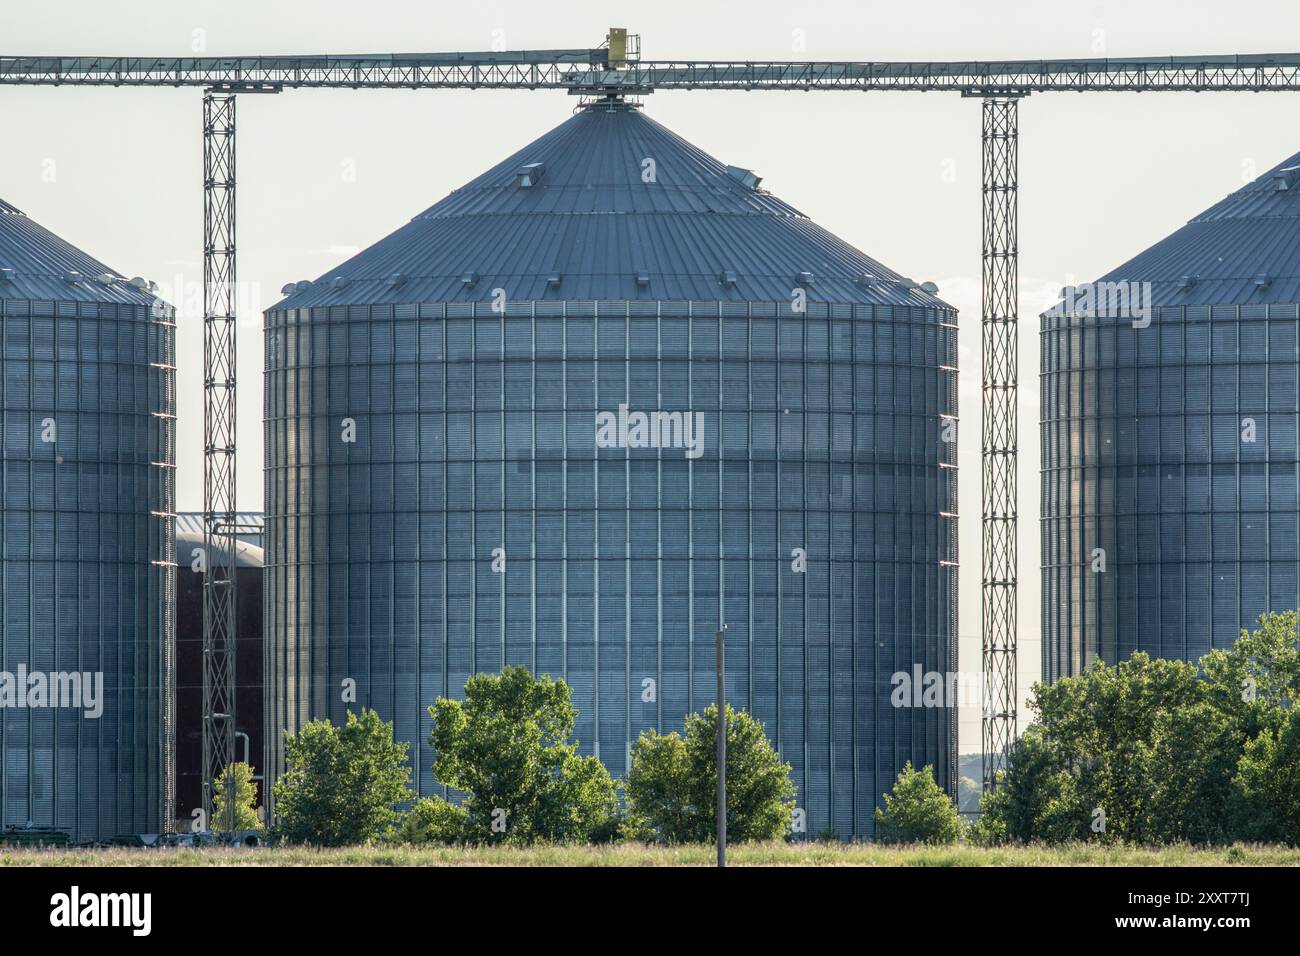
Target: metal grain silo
[
  {"x": 457, "y": 478},
  {"x": 86, "y": 587},
  {"x": 1169, "y": 438}
]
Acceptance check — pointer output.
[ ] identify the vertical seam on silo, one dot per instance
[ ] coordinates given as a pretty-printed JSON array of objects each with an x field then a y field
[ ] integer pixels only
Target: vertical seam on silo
[
  {"x": 595, "y": 532},
  {"x": 505, "y": 515},
  {"x": 532, "y": 478},
  {"x": 564, "y": 500},
  {"x": 690, "y": 584},
  {"x": 471, "y": 379},
  {"x": 627, "y": 524},
  {"x": 750, "y": 701},
  {"x": 803, "y": 535},
  {"x": 445, "y": 361},
  {"x": 852, "y": 518}
]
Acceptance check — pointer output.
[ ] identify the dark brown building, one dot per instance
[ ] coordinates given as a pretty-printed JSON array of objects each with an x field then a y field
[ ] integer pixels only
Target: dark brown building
[{"x": 189, "y": 660}]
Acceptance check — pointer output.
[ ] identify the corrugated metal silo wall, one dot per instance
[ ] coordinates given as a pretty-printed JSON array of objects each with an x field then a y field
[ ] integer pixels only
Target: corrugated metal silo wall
[
  {"x": 476, "y": 431},
  {"x": 87, "y": 584},
  {"x": 1172, "y": 448}
]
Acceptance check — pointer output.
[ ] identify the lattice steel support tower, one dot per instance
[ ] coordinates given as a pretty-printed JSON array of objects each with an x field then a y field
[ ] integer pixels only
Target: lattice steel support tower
[
  {"x": 998, "y": 429},
  {"x": 219, "y": 322}
]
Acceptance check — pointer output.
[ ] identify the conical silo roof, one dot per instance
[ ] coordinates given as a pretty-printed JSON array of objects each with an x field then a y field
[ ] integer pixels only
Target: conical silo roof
[
  {"x": 610, "y": 205},
  {"x": 37, "y": 264},
  {"x": 1245, "y": 249}
]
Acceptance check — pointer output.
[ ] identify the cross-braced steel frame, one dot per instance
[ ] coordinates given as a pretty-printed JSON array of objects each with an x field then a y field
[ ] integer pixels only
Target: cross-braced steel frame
[
  {"x": 219, "y": 323},
  {"x": 998, "y": 356}
]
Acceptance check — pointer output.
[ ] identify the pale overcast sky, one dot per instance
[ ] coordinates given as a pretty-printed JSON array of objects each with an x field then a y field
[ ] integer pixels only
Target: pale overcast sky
[{"x": 118, "y": 172}]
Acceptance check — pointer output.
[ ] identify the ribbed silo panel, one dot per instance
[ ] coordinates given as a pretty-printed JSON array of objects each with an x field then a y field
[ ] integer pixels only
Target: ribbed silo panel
[
  {"x": 1179, "y": 462},
  {"x": 88, "y": 478},
  {"x": 619, "y": 564}
]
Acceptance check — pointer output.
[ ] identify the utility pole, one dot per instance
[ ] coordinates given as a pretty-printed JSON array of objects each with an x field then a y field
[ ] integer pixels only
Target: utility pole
[{"x": 720, "y": 648}]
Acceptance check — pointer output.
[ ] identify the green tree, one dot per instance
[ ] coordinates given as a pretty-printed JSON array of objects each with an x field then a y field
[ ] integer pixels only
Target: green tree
[
  {"x": 990, "y": 827},
  {"x": 435, "y": 820},
  {"x": 507, "y": 746},
  {"x": 1036, "y": 798},
  {"x": 917, "y": 810},
  {"x": 1267, "y": 785},
  {"x": 672, "y": 790},
  {"x": 1169, "y": 752},
  {"x": 245, "y": 799},
  {"x": 656, "y": 789},
  {"x": 1256, "y": 682},
  {"x": 1189, "y": 766},
  {"x": 1101, "y": 725},
  {"x": 1257, "y": 679},
  {"x": 342, "y": 785}
]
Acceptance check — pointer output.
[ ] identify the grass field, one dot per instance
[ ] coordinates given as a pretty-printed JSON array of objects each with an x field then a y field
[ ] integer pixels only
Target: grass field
[{"x": 754, "y": 854}]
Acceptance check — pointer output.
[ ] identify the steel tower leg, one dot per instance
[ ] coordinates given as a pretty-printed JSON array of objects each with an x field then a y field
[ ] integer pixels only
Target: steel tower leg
[
  {"x": 998, "y": 430},
  {"x": 219, "y": 323}
]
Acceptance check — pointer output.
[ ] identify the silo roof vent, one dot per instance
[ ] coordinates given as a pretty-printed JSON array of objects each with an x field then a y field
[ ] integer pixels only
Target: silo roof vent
[
  {"x": 727, "y": 277},
  {"x": 6, "y": 275},
  {"x": 396, "y": 279},
  {"x": 1263, "y": 281},
  {"x": 469, "y": 280},
  {"x": 1286, "y": 178},
  {"x": 106, "y": 278},
  {"x": 73, "y": 277},
  {"x": 339, "y": 282},
  {"x": 930, "y": 288},
  {"x": 303, "y": 285},
  {"x": 746, "y": 177},
  {"x": 289, "y": 288},
  {"x": 1187, "y": 282},
  {"x": 529, "y": 175},
  {"x": 643, "y": 279},
  {"x": 553, "y": 280},
  {"x": 805, "y": 279}
]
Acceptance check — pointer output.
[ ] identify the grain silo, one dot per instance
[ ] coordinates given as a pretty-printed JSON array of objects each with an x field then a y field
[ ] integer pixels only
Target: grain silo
[
  {"x": 1169, "y": 494},
  {"x": 86, "y": 591},
  {"x": 604, "y": 397}
]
